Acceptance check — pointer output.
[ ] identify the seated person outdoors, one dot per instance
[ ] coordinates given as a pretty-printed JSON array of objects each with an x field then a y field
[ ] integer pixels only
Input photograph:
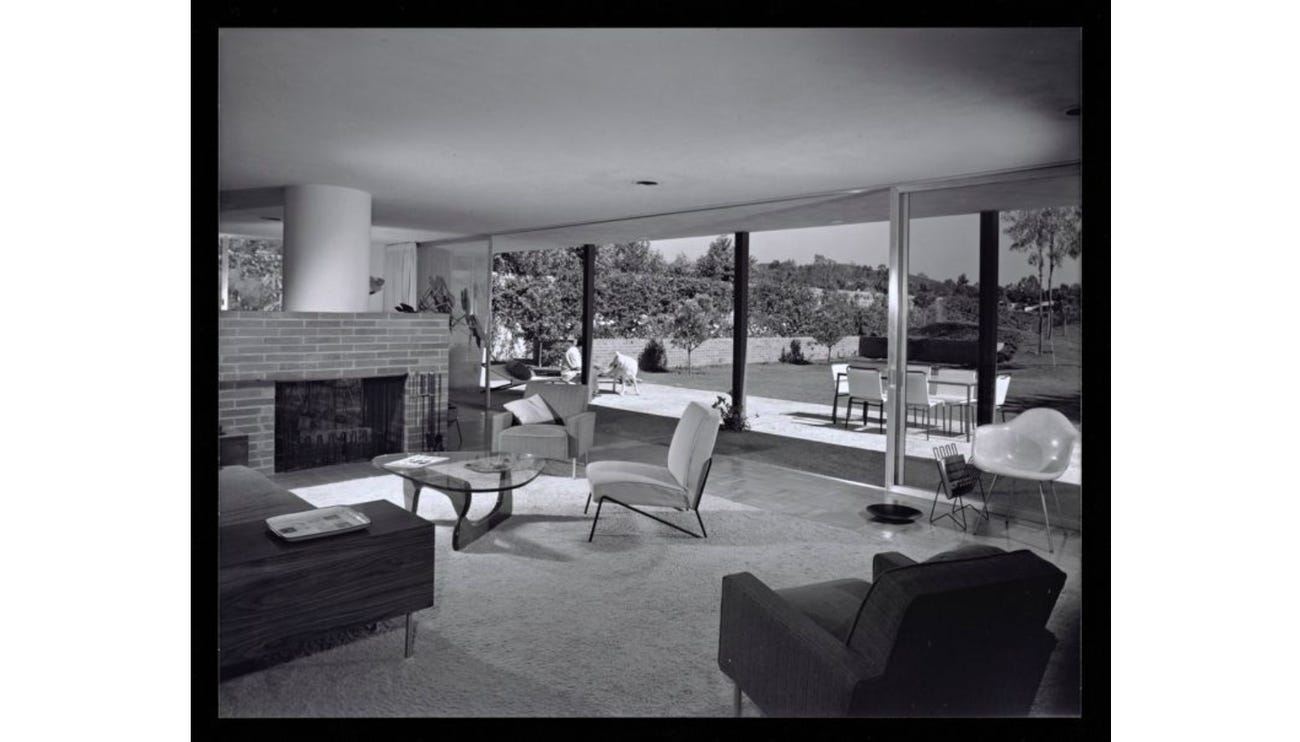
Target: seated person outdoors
[{"x": 571, "y": 364}]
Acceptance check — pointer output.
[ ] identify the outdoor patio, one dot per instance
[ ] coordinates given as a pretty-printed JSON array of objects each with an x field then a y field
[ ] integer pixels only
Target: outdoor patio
[{"x": 801, "y": 420}]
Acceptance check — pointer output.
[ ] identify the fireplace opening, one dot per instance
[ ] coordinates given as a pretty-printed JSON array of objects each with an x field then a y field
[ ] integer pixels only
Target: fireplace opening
[{"x": 318, "y": 423}]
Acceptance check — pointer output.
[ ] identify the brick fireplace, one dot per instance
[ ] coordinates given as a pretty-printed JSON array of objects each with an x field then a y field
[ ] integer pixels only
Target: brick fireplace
[{"x": 257, "y": 349}]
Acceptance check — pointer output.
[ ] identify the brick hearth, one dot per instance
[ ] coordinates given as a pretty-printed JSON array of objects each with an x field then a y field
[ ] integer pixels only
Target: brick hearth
[{"x": 257, "y": 349}]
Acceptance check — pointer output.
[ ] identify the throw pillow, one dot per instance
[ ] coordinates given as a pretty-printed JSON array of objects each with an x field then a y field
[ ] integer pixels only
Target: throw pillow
[{"x": 532, "y": 409}]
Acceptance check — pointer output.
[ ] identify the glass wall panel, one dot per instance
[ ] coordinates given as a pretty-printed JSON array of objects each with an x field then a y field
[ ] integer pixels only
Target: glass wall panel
[{"x": 1037, "y": 358}]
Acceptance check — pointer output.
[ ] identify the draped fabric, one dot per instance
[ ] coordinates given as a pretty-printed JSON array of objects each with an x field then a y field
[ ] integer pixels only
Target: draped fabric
[{"x": 399, "y": 275}]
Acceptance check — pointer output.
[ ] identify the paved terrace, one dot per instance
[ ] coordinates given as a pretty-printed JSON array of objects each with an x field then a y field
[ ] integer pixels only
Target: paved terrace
[{"x": 804, "y": 421}]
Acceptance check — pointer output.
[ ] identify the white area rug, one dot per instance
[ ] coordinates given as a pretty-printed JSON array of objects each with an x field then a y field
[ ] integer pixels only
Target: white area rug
[{"x": 531, "y": 620}]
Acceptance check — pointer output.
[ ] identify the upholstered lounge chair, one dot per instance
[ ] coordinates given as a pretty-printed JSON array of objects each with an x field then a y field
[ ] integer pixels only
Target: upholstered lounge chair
[
  {"x": 570, "y": 436},
  {"x": 960, "y": 634},
  {"x": 679, "y": 484}
]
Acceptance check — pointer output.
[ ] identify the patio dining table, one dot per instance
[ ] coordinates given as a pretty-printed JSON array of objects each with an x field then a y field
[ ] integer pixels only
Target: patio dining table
[{"x": 949, "y": 399}]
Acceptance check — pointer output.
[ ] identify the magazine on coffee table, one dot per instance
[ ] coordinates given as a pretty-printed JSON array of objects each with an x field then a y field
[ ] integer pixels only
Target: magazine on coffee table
[{"x": 417, "y": 461}]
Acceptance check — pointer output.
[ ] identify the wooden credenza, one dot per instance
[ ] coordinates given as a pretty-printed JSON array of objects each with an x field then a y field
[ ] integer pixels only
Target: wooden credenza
[{"x": 273, "y": 594}]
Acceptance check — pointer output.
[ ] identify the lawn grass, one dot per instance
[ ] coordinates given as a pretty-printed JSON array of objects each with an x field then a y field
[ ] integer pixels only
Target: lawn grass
[{"x": 1035, "y": 380}]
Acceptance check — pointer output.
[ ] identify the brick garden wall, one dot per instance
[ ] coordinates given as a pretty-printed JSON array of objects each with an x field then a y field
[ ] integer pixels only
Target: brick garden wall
[
  {"x": 257, "y": 349},
  {"x": 717, "y": 351}
]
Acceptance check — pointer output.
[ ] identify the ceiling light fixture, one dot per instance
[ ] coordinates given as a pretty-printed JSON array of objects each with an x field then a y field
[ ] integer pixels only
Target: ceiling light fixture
[
  {"x": 273, "y": 218},
  {"x": 1073, "y": 111},
  {"x": 647, "y": 182}
]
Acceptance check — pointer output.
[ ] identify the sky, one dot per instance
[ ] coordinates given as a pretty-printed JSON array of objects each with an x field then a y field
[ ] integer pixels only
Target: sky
[{"x": 942, "y": 247}]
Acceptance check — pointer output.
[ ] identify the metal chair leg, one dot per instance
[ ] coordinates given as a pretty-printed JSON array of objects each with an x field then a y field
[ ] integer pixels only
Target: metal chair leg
[
  {"x": 1046, "y": 521},
  {"x": 983, "y": 497},
  {"x": 593, "y": 520},
  {"x": 584, "y": 507},
  {"x": 648, "y": 515}
]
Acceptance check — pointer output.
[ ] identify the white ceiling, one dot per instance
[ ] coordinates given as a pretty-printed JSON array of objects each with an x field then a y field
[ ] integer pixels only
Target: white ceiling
[{"x": 459, "y": 132}]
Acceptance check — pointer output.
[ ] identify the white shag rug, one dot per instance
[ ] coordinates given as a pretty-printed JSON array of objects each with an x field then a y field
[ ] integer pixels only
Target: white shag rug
[{"x": 532, "y": 620}]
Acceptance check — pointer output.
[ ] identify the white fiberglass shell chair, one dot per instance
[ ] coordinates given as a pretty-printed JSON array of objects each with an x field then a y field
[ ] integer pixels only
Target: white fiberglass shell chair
[
  {"x": 678, "y": 484},
  {"x": 1036, "y": 445}
]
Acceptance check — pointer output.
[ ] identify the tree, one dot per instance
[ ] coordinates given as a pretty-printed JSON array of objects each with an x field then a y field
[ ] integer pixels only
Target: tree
[
  {"x": 630, "y": 257},
  {"x": 1048, "y": 236},
  {"x": 256, "y": 275},
  {"x": 681, "y": 265},
  {"x": 537, "y": 294},
  {"x": 695, "y": 321},
  {"x": 780, "y": 308},
  {"x": 833, "y": 320},
  {"x": 719, "y": 261}
]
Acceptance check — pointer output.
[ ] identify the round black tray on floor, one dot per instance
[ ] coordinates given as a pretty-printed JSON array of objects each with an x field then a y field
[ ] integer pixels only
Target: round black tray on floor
[{"x": 892, "y": 513}]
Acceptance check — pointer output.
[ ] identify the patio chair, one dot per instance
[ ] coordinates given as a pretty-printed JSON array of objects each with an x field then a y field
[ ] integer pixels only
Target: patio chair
[
  {"x": 1036, "y": 445},
  {"x": 840, "y": 384},
  {"x": 865, "y": 386},
  {"x": 962, "y": 634},
  {"x": 679, "y": 484},
  {"x": 918, "y": 397},
  {"x": 1001, "y": 385},
  {"x": 957, "y": 478},
  {"x": 568, "y": 436},
  {"x": 954, "y": 395}
]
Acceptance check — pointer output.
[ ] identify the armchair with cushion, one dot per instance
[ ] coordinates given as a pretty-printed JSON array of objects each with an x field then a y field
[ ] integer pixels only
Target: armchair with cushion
[
  {"x": 960, "y": 634},
  {"x": 567, "y": 433}
]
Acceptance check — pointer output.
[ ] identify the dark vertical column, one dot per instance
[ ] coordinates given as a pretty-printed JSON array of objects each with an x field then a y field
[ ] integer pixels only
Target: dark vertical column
[
  {"x": 740, "y": 326},
  {"x": 986, "y": 357},
  {"x": 588, "y": 310}
]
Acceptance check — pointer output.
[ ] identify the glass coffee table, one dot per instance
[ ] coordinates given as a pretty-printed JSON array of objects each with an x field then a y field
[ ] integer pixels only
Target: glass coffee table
[{"x": 460, "y": 475}]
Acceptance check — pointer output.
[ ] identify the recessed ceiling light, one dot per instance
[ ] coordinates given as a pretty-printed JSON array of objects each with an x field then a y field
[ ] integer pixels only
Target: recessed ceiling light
[
  {"x": 1073, "y": 111},
  {"x": 273, "y": 218},
  {"x": 647, "y": 182}
]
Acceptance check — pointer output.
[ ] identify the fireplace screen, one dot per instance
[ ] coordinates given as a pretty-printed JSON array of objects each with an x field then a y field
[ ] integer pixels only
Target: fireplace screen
[{"x": 329, "y": 422}]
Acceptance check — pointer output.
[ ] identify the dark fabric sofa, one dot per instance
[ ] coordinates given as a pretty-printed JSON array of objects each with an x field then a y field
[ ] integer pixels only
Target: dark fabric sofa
[{"x": 960, "y": 634}]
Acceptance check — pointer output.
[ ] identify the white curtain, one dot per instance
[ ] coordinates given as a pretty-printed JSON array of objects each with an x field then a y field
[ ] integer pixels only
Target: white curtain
[{"x": 399, "y": 275}]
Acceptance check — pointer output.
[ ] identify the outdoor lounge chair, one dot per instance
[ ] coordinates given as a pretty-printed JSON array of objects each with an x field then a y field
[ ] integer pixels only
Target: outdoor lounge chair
[
  {"x": 1036, "y": 445},
  {"x": 960, "y": 634},
  {"x": 517, "y": 373},
  {"x": 679, "y": 484}
]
